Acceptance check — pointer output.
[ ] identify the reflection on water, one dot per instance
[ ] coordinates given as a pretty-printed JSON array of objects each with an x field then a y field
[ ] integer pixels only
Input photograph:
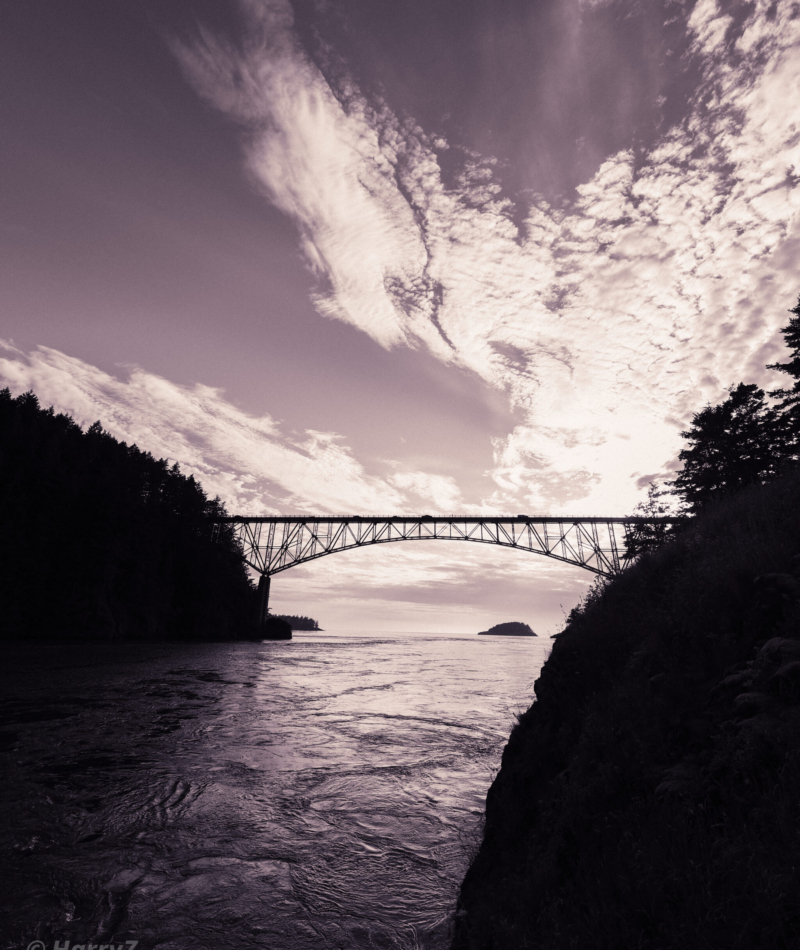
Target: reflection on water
[{"x": 320, "y": 793}]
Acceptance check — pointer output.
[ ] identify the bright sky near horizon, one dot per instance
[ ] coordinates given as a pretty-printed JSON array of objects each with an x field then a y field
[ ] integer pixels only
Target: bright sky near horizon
[{"x": 422, "y": 256}]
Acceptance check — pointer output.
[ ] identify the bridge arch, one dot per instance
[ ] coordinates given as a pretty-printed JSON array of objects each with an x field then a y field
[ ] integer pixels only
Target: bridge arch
[{"x": 274, "y": 544}]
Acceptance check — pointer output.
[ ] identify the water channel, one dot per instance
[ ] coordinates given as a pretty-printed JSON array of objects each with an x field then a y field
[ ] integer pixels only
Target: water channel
[{"x": 323, "y": 793}]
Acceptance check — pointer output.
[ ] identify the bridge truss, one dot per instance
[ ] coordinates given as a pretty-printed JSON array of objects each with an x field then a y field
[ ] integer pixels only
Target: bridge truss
[{"x": 274, "y": 544}]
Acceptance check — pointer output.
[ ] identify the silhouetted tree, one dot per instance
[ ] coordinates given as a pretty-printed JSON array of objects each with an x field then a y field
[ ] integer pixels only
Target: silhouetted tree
[
  {"x": 732, "y": 445},
  {"x": 298, "y": 623},
  {"x": 788, "y": 409},
  {"x": 646, "y": 537},
  {"x": 740, "y": 442}
]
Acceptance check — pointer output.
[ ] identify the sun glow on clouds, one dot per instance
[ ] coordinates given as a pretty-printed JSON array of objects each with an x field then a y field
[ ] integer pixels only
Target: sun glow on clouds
[
  {"x": 458, "y": 587},
  {"x": 607, "y": 320},
  {"x": 610, "y": 319}
]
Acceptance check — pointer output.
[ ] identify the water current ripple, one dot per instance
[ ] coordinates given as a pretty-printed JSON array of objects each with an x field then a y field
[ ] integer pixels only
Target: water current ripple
[{"x": 324, "y": 793}]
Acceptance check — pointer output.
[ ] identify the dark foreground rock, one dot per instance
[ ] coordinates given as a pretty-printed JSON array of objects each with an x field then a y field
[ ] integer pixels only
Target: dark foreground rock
[
  {"x": 511, "y": 629},
  {"x": 649, "y": 797},
  {"x": 274, "y": 628}
]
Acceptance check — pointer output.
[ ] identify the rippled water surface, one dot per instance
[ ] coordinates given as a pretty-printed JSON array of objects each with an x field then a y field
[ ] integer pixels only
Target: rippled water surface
[{"x": 321, "y": 793}]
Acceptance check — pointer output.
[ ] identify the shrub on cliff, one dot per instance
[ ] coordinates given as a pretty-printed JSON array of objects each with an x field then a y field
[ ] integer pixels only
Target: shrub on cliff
[
  {"x": 650, "y": 797},
  {"x": 101, "y": 540}
]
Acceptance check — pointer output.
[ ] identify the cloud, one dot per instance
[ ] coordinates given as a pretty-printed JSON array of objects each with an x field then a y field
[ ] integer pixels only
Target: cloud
[
  {"x": 608, "y": 319},
  {"x": 245, "y": 459},
  {"x": 440, "y": 489},
  {"x": 331, "y": 164}
]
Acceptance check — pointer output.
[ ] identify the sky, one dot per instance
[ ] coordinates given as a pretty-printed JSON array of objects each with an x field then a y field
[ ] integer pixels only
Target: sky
[{"x": 427, "y": 256}]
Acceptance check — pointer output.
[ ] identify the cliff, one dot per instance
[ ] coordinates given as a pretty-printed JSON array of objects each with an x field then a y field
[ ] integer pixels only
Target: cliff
[{"x": 649, "y": 796}]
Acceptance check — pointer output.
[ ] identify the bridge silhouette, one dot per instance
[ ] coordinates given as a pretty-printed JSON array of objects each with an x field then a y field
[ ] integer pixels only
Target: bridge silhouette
[{"x": 274, "y": 544}]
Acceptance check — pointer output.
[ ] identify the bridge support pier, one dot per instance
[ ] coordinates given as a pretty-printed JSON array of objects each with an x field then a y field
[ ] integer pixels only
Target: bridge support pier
[
  {"x": 269, "y": 628},
  {"x": 263, "y": 600}
]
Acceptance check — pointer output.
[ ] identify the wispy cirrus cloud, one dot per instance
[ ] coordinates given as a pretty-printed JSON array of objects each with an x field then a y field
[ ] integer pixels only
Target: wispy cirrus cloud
[
  {"x": 609, "y": 318},
  {"x": 331, "y": 164}
]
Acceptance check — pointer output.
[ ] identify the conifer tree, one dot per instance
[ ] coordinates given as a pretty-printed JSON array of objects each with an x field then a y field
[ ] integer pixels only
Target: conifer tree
[
  {"x": 732, "y": 445},
  {"x": 101, "y": 540},
  {"x": 788, "y": 408},
  {"x": 740, "y": 442},
  {"x": 645, "y": 537}
]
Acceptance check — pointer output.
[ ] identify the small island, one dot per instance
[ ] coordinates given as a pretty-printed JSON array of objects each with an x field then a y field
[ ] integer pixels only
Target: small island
[{"x": 512, "y": 629}]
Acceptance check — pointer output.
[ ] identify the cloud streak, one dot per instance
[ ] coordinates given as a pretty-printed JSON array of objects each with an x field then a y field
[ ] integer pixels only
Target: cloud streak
[
  {"x": 608, "y": 319},
  {"x": 247, "y": 460},
  {"x": 331, "y": 164}
]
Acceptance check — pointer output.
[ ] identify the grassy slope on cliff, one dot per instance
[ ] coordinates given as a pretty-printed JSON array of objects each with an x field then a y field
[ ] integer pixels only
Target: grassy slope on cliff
[
  {"x": 100, "y": 540},
  {"x": 650, "y": 797}
]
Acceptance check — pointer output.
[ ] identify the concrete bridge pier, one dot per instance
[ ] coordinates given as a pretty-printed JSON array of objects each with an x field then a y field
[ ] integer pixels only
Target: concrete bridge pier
[
  {"x": 269, "y": 628},
  {"x": 263, "y": 600}
]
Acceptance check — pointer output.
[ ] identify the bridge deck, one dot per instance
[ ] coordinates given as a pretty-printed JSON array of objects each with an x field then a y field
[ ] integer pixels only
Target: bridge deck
[
  {"x": 274, "y": 543},
  {"x": 451, "y": 519}
]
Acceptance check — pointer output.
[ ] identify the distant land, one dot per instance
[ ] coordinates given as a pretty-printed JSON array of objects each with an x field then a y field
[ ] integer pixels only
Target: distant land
[
  {"x": 511, "y": 629},
  {"x": 298, "y": 623}
]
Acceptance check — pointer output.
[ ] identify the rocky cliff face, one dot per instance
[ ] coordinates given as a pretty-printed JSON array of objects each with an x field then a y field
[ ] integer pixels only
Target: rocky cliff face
[{"x": 649, "y": 798}]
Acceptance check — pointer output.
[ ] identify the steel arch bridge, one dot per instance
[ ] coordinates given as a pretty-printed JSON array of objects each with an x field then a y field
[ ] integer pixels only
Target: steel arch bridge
[{"x": 274, "y": 544}]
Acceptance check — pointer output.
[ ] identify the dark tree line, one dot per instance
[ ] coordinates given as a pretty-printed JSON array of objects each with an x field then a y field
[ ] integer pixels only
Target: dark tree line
[
  {"x": 103, "y": 541},
  {"x": 748, "y": 439},
  {"x": 298, "y": 623}
]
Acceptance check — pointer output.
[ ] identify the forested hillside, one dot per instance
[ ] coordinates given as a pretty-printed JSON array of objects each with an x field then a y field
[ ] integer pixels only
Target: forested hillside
[{"x": 101, "y": 540}]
